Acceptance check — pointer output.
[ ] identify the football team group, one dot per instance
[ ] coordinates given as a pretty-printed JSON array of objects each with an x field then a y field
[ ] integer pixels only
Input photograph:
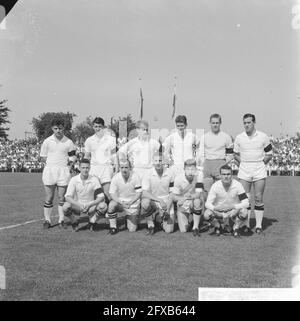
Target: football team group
[{"x": 184, "y": 180}]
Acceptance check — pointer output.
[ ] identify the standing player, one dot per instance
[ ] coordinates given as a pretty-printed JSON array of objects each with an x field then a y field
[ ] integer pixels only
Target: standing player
[
  {"x": 188, "y": 193},
  {"x": 84, "y": 195},
  {"x": 216, "y": 149},
  {"x": 252, "y": 151},
  {"x": 101, "y": 149},
  {"x": 180, "y": 145},
  {"x": 226, "y": 200},
  {"x": 55, "y": 151},
  {"x": 140, "y": 150},
  {"x": 157, "y": 196},
  {"x": 125, "y": 192}
]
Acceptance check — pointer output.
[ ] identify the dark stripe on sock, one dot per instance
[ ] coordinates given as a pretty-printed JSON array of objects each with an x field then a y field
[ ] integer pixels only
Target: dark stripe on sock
[
  {"x": 197, "y": 212},
  {"x": 259, "y": 207},
  {"x": 48, "y": 205}
]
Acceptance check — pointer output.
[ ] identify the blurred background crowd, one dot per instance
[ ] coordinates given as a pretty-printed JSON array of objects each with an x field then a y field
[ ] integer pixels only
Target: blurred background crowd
[{"x": 22, "y": 155}]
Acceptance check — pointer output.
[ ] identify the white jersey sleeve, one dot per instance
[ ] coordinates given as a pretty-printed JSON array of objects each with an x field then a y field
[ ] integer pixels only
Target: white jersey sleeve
[
  {"x": 228, "y": 144},
  {"x": 44, "y": 149},
  {"x": 267, "y": 146},
  {"x": 138, "y": 184},
  {"x": 146, "y": 183},
  {"x": 87, "y": 146},
  {"x": 113, "y": 188},
  {"x": 167, "y": 144},
  {"x": 177, "y": 186},
  {"x": 71, "y": 190},
  {"x": 236, "y": 148},
  {"x": 212, "y": 195},
  {"x": 98, "y": 188}
]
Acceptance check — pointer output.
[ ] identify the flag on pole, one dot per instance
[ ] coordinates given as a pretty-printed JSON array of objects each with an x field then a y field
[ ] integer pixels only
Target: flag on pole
[
  {"x": 142, "y": 101},
  {"x": 174, "y": 98}
]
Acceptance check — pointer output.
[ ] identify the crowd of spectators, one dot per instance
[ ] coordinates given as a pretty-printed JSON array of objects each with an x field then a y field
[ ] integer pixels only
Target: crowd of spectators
[{"x": 22, "y": 155}]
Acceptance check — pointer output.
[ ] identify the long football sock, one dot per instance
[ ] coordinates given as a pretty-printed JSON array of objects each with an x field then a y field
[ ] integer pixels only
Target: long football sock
[
  {"x": 61, "y": 216},
  {"x": 47, "y": 211},
  {"x": 112, "y": 217},
  {"x": 247, "y": 223},
  {"x": 196, "y": 218},
  {"x": 259, "y": 214}
]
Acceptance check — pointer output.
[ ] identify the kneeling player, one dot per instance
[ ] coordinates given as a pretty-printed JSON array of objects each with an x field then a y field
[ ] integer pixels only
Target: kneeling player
[
  {"x": 125, "y": 192},
  {"x": 84, "y": 195},
  {"x": 157, "y": 199},
  {"x": 188, "y": 193},
  {"x": 226, "y": 201}
]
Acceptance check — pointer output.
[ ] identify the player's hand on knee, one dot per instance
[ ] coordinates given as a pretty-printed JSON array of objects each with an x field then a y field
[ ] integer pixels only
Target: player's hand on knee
[
  {"x": 163, "y": 205},
  {"x": 126, "y": 205},
  {"x": 166, "y": 216},
  {"x": 181, "y": 201}
]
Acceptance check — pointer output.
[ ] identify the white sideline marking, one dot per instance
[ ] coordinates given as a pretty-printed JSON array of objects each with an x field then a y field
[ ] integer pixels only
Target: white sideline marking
[
  {"x": 25, "y": 223},
  {"x": 20, "y": 224}
]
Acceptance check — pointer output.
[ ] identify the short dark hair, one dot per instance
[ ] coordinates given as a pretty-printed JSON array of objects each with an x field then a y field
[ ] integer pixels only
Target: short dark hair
[
  {"x": 249, "y": 116},
  {"x": 99, "y": 120},
  {"x": 227, "y": 167},
  {"x": 84, "y": 161},
  {"x": 190, "y": 162},
  {"x": 181, "y": 119},
  {"x": 57, "y": 122},
  {"x": 215, "y": 116}
]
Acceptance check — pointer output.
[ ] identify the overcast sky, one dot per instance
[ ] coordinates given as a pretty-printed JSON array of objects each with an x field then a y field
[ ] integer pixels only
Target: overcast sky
[{"x": 86, "y": 56}]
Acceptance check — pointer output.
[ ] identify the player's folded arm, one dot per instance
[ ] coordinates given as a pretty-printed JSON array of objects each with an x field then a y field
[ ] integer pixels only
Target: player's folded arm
[
  {"x": 244, "y": 201},
  {"x": 70, "y": 199},
  {"x": 114, "y": 197},
  {"x": 149, "y": 195},
  {"x": 137, "y": 196},
  {"x": 210, "y": 200},
  {"x": 99, "y": 194}
]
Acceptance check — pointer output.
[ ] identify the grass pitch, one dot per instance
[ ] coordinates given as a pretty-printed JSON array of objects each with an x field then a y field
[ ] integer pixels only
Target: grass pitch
[{"x": 63, "y": 265}]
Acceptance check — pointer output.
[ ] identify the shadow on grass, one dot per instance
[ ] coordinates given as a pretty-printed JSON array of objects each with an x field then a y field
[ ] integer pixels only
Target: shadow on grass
[{"x": 267, "y": 222}]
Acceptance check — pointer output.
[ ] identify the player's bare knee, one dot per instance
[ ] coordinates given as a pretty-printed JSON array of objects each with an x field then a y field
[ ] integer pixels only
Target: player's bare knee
[
  {"x": 169, "y": 228},
  {"x": 49, "y": 199},
  {"x": 102, "y": 207},
  {"x": 66, "y": 208},
  {"x": 258, "y": 199},
  {"x": 243, "y": 213},
  {"x": 208, "y": 214},
  {"x": 112, "y": 206},
  {"x": 197, "y": 204},
  {"x": 183, "y": 228},
  {"x": 145, "y": 204},
  {"x": 132, "y": 228}
]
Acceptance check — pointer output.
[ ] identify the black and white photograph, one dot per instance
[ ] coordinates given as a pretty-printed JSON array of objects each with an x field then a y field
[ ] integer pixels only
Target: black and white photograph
[{"x": 150, "y": 152}]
